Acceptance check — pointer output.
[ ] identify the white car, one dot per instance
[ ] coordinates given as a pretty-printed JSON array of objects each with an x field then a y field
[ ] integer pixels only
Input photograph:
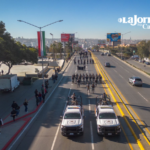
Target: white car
[
  {"x": 107, "y": 121},
  {"x": 135, "y": 81},
  {"x": 73, "y": 120}
]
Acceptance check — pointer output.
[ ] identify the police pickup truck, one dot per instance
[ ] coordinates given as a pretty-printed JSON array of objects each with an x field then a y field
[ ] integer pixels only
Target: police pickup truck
[
  {"x": 73, "y": 118},
  {"x": 106, "y": 119}
]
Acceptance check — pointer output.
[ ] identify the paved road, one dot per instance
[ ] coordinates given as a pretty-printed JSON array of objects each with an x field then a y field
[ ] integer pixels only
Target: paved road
[
  {"x": 44, "y": 132},
  {"x": 138, "y": 97},
  {"x": 139, "y": 65}
]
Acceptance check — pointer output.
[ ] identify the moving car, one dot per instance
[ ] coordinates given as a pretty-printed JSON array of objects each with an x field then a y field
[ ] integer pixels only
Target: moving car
[
  {"x": 135, "y": 81},
  {"x": 102, "y": 54},
  {"x": 73, "y": 119},
  {"x": 107, "y": 64},
  {"x": 107, "y": 121},
  {"x": 108, "y": 54}
]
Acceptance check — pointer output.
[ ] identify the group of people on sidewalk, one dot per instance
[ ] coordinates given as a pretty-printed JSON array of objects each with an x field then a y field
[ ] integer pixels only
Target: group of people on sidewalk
[
  {"x": 54, "y": 76},
  {"x": 16, "y": 109},
  {"x": 41, "y": 95}
]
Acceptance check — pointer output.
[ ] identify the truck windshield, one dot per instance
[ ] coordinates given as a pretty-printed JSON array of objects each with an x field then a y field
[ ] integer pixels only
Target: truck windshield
[
  {"x": 72, "y": 116},
  {"x": 107, "y": 116}
]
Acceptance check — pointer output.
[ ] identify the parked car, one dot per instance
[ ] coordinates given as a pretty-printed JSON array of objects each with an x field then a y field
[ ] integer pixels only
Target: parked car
[
  {"x": 147, "y": 63},
  {"x": 135, "y": 81}
]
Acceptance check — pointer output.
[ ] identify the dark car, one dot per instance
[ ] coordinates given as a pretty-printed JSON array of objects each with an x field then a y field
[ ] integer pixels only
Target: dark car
[
  {"x": 108, "y": 54},
  {"x": 147, "y": 63},
  {"x": 102, "y": 54},
  {"x": 107, "y": 64}
]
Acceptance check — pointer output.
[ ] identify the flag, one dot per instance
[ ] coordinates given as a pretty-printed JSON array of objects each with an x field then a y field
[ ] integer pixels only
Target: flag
[{"x": 41, "y": 43}]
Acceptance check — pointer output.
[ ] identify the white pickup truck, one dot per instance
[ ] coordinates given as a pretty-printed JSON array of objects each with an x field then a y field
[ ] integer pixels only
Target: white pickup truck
[
  {"x": 73, "y": 120},
  {"x": 107, "y": 121}
]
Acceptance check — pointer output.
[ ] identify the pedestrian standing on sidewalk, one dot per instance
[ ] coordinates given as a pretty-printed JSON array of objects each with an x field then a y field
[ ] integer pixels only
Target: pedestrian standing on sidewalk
[
  {"x": 13, "y": 114},
  {"x": 40, "y": 96},
  {"x": 43, "y": 96},
  {"x": 16, "y": 107},
  {"x": 36, "y": 93},
  {"x": 37, "y": 100},
  {"x": 26, "y": 105},
  {"x": 2, "y": 72},
  {"x": 1, "y": 123}
]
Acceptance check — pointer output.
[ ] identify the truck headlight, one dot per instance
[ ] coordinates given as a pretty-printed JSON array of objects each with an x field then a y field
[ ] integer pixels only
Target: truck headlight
[
  {"x": 80, "y": 126},
  {"x": 118, "y": 127},
  {"x": 62, "y": 126}
]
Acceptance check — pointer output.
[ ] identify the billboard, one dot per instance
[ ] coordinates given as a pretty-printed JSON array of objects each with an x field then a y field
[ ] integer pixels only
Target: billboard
[
  {"x": 67, "y": 37},
  {"x": 113, "y": 37},
  {"x": 101, "y": 42}
]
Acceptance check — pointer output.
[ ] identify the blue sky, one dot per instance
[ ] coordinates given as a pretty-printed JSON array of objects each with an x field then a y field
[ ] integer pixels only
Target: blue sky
[{"x": 90, "y": 18}]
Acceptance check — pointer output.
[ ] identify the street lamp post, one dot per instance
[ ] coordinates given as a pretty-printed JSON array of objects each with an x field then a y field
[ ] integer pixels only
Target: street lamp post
[
  {"x": 123, "y": 43},
  {"x": 52, "y": 45},
  {"x": 40, "y": 31}
]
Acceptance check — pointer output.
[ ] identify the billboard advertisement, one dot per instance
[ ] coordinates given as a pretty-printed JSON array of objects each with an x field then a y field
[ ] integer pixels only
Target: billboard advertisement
[
  {"x": 67, "y": 37},
  {"x": 101, "y": 42},
  {"x": 113, "y": 37}
]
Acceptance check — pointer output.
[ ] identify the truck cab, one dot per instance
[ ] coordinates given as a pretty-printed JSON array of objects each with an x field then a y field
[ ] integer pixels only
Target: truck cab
[
  {"x": 73, "y": 121},
  {"x": 107, "y": 121},
  {"x": 73, "y": 118}
]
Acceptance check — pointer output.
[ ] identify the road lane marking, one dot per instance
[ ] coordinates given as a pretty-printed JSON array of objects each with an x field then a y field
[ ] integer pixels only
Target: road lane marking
[
  {"x": 92, "y": 143},
  {"x": 142, "y": 96},
  {"x": 115, "y": 71},
  {"x": 89, "y": 106},
  {"x": 100, "y": 68},
  {"x": 121, "y": 76},
  {"x": 126, "y": 70},
  {"x": 54, "y": 141},
  {"x": 55, "y": 138},
  {"x": 38, "y": 110}
]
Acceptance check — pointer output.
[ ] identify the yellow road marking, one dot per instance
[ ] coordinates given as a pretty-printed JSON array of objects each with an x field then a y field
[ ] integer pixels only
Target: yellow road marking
[
  {"x": 123, "y": 115},
  {"x": 130, "y": 145},
  {"x": 147, "y": 140}
]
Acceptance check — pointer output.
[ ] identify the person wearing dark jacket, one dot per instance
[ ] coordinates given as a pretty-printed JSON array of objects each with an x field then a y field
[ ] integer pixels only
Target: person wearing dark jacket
[
  {"x": 13, "y": 114},
  {"x": 26, "y": 105},
  {"x": 36, "y": 93},
  {"x": 16, "y": 107},
  {"x": 1, "y": 123}
]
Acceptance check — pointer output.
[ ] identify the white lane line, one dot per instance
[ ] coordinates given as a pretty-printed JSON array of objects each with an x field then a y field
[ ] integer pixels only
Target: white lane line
[
  {"x": 59, "y": 125},
  {"x": 92, "y": 144},
  {"x": 37, "y": 112},
  {"x": 55, "y": 137},
  {"x": 142, "y": 96},
  {"x": 89, "y": 106},
  {"x": 121, "y": 76},
  {"x": 115, "y": 71},
  {"x": 126, "y": 70}
]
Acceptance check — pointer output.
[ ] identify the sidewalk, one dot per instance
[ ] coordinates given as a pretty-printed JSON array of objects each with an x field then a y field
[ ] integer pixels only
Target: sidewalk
[
  {"x": 139, "y": 65},
  {"x": 11, "y": 129}
]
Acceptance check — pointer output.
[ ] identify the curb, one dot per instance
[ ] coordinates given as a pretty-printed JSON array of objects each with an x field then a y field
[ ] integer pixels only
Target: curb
[{"x": 16, "y": 134}]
